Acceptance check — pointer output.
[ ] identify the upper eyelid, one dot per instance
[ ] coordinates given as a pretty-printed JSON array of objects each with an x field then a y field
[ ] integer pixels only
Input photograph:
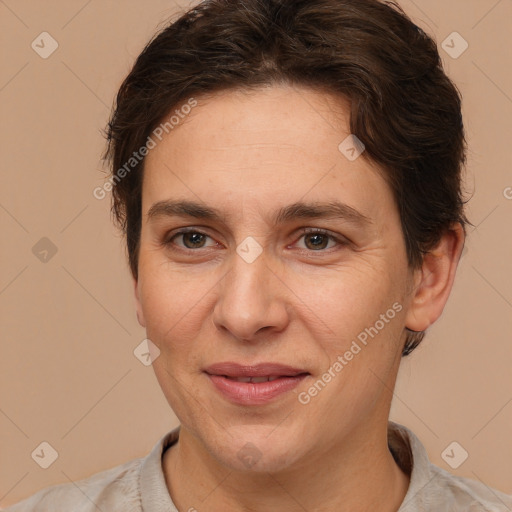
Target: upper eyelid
[
  {"x": 168, "y": 238},
  {"x": 339, "y": 239}
]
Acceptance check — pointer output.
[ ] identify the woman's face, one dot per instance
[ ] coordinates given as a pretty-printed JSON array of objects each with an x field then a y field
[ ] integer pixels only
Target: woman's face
[{"x": 247, "y": 287}]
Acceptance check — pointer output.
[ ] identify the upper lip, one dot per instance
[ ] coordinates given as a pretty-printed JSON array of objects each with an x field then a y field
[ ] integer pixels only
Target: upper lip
[{"x": 231, "y": 369}]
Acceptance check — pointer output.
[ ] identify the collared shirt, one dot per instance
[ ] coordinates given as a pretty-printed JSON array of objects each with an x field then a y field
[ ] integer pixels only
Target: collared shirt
[{"x": 139, "y": 485}]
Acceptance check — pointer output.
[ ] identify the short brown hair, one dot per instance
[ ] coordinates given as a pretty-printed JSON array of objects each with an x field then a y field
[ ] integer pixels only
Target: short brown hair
[{"x": 404, "y": 108}]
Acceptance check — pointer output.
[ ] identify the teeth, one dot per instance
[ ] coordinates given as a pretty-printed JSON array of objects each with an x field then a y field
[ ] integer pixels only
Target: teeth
[
  {"x": 242, "y": 379},
  {"x": 260, "y": 379},
  {"x": 254, "y": 379}
]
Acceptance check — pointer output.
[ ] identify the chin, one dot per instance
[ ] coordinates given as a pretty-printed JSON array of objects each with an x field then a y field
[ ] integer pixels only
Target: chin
[
  {"x": 258, "y": 449},
  {"x": 250, "y": 458}
]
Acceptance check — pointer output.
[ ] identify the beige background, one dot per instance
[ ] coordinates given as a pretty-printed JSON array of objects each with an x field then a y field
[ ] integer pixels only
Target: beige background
[{"x": 68, "y": 375}]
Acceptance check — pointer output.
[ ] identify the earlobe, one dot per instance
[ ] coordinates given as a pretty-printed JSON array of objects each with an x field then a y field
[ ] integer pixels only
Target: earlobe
[
  {"x": 434, "y": 281},
  {"x": 138, "y": 304}
]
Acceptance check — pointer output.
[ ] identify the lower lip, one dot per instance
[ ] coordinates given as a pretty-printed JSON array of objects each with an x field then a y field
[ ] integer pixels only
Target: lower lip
[{"x": 254, "y": 393}]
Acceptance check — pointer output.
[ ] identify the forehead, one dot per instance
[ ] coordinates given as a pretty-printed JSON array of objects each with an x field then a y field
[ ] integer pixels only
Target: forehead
[
  {"x": 287, "y": 118},
  {"x": 271, "y": 146}
]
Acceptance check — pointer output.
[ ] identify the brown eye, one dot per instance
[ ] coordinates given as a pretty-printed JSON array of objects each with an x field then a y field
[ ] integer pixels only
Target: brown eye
[
  {"x": 316, "y": 241},
  {"x": 190, "y": 240}
]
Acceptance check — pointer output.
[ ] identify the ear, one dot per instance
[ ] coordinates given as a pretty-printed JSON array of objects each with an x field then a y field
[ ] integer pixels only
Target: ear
[
  {"x": 138, "y": 305},
  {"x": 434, "y": 281}
]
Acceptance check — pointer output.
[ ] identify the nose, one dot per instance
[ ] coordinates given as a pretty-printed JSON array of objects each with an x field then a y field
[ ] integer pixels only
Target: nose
[{"x": 252, "y": 302}]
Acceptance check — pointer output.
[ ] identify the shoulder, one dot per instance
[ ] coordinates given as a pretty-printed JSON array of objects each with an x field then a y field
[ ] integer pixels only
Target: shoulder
[
  {"x": 134, "y": 486},
  {"x": 467, "y": 494},
  {"x": 433, "y": 488},
  {"x": 114, "y": 489}
]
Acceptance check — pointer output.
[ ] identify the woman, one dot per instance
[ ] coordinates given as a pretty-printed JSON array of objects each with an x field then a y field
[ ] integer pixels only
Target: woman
[{"x": 288, "y": 178}]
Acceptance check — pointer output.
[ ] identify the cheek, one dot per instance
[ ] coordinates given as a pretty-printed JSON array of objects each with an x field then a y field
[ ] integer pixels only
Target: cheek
[
  {"x": 174, "y": 305},
  {"x": 347, "y": 301}
]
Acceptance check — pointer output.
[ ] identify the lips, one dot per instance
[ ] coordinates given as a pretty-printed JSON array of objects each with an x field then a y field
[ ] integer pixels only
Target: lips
[
  {"x": 255, "y": 380},
  {"x": 253, "y": 384},
  {"x": 235, "y": 370}
]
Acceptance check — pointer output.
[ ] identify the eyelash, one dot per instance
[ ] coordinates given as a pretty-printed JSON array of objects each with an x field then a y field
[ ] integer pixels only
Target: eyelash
[{"x": 303, "y": 232}]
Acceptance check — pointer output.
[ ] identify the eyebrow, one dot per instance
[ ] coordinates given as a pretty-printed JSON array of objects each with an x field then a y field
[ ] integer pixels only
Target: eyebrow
[{"x": 298, "y": 210}]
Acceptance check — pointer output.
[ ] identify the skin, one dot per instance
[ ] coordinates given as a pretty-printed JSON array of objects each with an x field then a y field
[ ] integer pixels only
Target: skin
[{"x": 248, "y": 154}]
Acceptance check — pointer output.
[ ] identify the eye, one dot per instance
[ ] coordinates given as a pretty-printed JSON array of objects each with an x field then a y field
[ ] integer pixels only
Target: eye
[
  {"x": 191, "y": 239},
  {"x": 317, "y": 239}
]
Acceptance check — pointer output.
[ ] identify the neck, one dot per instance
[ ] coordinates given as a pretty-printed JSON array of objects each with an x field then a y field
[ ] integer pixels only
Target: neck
[{"x": 357, "y": 474}]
